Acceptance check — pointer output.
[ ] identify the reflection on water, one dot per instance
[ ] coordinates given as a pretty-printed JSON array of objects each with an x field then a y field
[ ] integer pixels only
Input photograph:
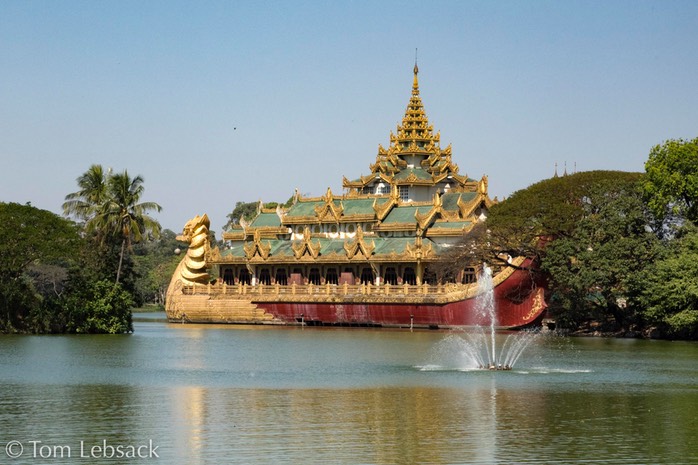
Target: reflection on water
[{"x": 209, "y": 395}]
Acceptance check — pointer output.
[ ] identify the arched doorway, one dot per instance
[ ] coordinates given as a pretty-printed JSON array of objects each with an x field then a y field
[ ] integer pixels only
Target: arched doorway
[
  {"x": 264, "y": 276},
  {"x": 281, "y": 277},
  {"x": 228, "y": 276},
  {"x": 409, "y": 276},
  {"x": 244, "y": 276},
  {"x": 390, "y": 276},
  {"x": 367, "y": 276},
  {"x": 331, "y": 276},
  {"x": 314, "y": 276}
]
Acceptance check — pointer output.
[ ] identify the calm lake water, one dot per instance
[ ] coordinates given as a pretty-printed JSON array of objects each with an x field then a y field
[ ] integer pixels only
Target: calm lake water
[{"x": 196, "y": 394}]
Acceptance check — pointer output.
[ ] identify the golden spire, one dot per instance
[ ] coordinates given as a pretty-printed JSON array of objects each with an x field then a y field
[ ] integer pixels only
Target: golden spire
[
  {"x": 415, "y": 84},
  {"x": 415, "y": 132},
  {"x": 415, "y": 139}
]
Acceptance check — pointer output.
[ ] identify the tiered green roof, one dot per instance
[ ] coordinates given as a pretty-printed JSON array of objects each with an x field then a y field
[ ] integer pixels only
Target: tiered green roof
[
  {"x": 414, "y": 141},
  {"x": 329, "y": 227},
  {"x": 266, "y": 220}
]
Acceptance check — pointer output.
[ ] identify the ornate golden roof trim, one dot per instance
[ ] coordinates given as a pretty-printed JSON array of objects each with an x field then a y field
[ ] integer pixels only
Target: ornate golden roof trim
[
  {"x": 383, "y": 209},
  {"x": 301, "y": 220},
  {"x": 305, "y": 247},
  {"x": 257, "y": 247},
  {"x": 266, "y": 231},
  {"x": 329, "y": 208},
  {"x": 357, "y": 218},
  {"x": 234, "y": 235},
  {"x": 467, "y": 209},
  {"x": 450, "y": 215},
  {"x": 358, "y": 244},
  {"x": 382, "y": 227},
  {"x": 424, "y": 220},
  {"x": 435, "y": 231},
  {"x": 418, "y": 250}
]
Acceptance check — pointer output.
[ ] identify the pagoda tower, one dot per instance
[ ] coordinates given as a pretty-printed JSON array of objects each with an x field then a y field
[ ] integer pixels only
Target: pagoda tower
[{"x": 414, "y": 164}]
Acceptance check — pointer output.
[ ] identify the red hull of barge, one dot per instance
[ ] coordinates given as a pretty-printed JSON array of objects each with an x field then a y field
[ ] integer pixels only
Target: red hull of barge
[{"x": 519, "y": 303}]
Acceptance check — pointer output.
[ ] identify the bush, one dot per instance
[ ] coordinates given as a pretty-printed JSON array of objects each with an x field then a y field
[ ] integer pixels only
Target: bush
[{"x": 99, "y": 307}]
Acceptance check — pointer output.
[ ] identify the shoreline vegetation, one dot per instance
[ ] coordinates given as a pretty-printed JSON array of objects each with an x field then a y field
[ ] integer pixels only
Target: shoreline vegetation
[
  {"x": 619, "y": 251},
  {"x": 149, "y": 308}
]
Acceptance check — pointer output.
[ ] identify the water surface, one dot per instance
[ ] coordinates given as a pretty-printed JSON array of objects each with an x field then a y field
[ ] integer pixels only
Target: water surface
[{"x": 208, "y": 394}]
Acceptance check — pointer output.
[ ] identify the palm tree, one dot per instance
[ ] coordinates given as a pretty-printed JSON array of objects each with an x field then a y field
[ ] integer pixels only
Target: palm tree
[
  {"x": 84, "y": 203},
  {"x": 124, "y": 216},
  {"x": 110, "y": 205}
]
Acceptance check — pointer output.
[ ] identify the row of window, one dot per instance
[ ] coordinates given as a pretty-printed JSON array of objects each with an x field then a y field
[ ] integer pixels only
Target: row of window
[
  {"x": 382, "y": 189},
  {"x": 282, "y": 277},
  {"x": 332, "y": 228}
]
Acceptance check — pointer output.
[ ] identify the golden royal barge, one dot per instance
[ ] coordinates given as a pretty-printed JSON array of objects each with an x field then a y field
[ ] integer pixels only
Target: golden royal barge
[{"x": 363, "y": 258}]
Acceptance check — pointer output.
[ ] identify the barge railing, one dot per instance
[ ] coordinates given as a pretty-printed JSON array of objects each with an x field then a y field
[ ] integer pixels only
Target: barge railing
[{"x": 222, "y": 289}]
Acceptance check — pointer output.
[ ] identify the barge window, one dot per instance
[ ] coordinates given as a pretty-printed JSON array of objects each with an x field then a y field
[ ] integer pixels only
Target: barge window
[
  {"x": 408, "y": 276},
  {"x": 228, "y": 277},
  {"x": 390, "y": 275},
  {"x": 469, "y": 276},
  {"x": 367, "y": 276},
  {"x": 331, "y": 276},
  {"x": 244, "y": 276},
  {"x": 404, "y": 192},
  {"x": 314, "y": 276},
  {"x": 281, "y": 277},
  {"x": 264, "y": 276}
]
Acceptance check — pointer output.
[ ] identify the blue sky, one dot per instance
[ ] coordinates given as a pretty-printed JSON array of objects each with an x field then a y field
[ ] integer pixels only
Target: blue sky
[{"x": 219, "y": 102}]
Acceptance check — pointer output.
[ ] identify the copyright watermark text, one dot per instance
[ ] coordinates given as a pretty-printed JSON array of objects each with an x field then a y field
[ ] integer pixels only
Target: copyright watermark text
[{"x": 83, "y": 450}]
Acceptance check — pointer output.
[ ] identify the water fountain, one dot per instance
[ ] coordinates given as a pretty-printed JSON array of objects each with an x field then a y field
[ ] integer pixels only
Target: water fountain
[
  {"x": 482, "y": 342},
  {"x": 477, "y": 348}
]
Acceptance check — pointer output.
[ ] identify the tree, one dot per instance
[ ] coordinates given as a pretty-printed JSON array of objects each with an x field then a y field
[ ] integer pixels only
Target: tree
[
  {"x": 593, "y": 270},
  {"x": 588, "y": 234},
  {"x": 242, "y": 211},
  {"x": 668, "y": 289},
  {"x": 46, "y": 282},
  {"x": 30, "y": 235},
  {"x": 35, "y": 244},
  {"x": 155, "y": 262},
  {"x": 125, "y": 216},
  {"x": 671, "y": 181},
  {"x": 110, "y": 204},
  {"x": 529, "y": 219},
  {"x": 97, "y": 307},
  {"x": 93, "y": 192}
]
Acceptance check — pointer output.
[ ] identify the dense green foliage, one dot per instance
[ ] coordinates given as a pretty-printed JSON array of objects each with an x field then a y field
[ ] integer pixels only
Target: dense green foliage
[
  {"x": 593, "y": 267},
  {"x": 98, "y": 307},
  {"x": 667, "y": 290},
  {"x": 600, "y": 239},
  {"x": 671, "y": 183},
  {"x": 548, "y": 209},
  {"x": 46, "y": 285},
  {"x": 30, "y": 238},
  {"x": 58, "y": 277},
  {"x": 110, "y": 204},
  {"x": 155, "y": 262}
]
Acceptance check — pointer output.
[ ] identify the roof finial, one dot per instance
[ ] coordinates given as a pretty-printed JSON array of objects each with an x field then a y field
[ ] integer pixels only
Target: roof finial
[{"x": 415, "y": 84}]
